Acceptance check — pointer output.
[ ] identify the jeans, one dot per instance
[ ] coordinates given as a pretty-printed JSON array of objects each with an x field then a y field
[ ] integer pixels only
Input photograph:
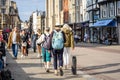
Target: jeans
[
  {"x": 58, "y": 55},
  {"x": 15, "y": 50}
]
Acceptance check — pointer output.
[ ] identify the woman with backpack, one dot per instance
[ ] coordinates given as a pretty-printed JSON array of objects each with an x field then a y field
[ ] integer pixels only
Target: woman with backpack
[
  {"x": 57, "y": 39},
  {"x": 46, "y": 54},
  {"x": 68, "y": 44}
]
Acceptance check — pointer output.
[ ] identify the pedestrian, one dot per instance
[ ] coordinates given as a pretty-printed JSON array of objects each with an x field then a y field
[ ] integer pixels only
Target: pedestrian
[
  {"x": 2, "y": 47},
  {"x": 86, "y": 38},
  {"x": 23, "y": 43},
  {"x": 68, "y": 44},
  {"x": 46, "y": 54},
  {"x": 33, "y": 41},
  {"x": 76, "y": 38},
  {"x": 57, "y": 39},
  {"x": 28, "y": 42},
  {"x": 13, "y": 41},
  {"x": 38, "y": 42}
]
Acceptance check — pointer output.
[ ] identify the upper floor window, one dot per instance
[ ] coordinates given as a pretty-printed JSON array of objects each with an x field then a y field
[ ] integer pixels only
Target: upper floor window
[
  {"x": 104, "y": 11},
  {"x": 77, "y": 16},
  {"x": 61, "y": 5},
  {"x": 3, "y": 11},
  {"x": 111, "y": 9},
  {"x": 69, "y": 18},
  {"x": 77, "y": 2},
  {"x": 89, "y": 2},
  {"x": 3, "y": 2},
  {"x": 118, "y": 8}
]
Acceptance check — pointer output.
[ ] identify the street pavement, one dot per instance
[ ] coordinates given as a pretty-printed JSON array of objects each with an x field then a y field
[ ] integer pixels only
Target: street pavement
[{"x": 94, "y": 62}]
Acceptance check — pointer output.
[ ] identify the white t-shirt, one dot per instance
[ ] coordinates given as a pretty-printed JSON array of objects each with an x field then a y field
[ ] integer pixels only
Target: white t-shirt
[{"x": 14, "y": 37}]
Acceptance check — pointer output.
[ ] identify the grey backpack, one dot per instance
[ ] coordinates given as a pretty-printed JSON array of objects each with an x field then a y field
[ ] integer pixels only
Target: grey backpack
[{"x": 46, "y": 43}]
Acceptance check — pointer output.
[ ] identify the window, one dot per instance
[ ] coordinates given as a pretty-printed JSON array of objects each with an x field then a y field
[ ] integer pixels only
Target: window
[
  {"x": 77, "y": 2},
  {"x": 111, "y": 9},
  {"x": 89, "y": 2},
  {"x": 3, "y": 2},
  {"x": 3, "y": 11},
  {"x": 104, "y": 11},
  {"x": 69, "y": 18},
  {"x": 118, "y": 8},
  {"x": 77, "y": 16},
  {"x": 91, "y": 16},
  {"x": 61, "y": 5}
]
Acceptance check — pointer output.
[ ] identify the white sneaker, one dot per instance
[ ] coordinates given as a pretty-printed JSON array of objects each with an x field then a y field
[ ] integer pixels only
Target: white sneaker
[
  {"x": 22, "y": 56},
  {"x": 38, "y": 55}
]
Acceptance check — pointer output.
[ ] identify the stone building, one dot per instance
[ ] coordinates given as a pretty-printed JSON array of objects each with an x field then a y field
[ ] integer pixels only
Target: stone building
[
  {"x": 14, "y": 15},
  {"x": 38, "y": 20},
  {"x": 104, "y": 20},
  {"x": 9, "y": 16},
  {"x": 54, "y": 13}
]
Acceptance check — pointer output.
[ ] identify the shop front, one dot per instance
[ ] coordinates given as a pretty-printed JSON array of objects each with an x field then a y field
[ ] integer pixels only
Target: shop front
[
  {"x": 104, "y": 31},
  {"x": 84, "y": 30}
]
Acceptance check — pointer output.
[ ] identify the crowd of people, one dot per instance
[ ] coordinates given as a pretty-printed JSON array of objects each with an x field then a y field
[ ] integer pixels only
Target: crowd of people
[{"x": 55, "y": 44}]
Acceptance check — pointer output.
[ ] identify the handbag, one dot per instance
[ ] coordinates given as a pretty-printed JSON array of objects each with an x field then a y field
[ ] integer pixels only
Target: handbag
[{"x": 24, "y": 44}]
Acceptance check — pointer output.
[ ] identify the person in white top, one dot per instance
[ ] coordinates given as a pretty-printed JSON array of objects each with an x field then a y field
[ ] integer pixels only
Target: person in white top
[
  {"x": 46, "y": 54},
  {"x": 13, "y": 41}
]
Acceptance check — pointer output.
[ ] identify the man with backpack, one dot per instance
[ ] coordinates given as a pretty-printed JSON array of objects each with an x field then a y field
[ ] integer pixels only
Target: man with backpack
[
  {"x": 46, "y": 54},
  {"x": 57, "y": 39}
]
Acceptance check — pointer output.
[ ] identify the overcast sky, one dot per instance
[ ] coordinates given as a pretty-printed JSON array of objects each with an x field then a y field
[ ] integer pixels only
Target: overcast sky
[{"x": 26, "y": 7}]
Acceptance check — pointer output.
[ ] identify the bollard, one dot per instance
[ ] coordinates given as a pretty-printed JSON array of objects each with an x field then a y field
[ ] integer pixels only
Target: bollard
[{"x": 74, "y": 65}]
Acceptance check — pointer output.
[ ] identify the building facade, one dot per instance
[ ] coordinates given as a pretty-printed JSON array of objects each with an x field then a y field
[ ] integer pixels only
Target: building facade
[
  {"x": 38, "y": 21},
  {"x": 104, "y": 21},
  {"x": 8, "y": 8},
  {"x": 85, "y": 16}
]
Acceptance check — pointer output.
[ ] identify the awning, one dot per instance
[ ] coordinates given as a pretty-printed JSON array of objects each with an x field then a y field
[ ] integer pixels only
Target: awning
[{"x": 105, "y": 23}]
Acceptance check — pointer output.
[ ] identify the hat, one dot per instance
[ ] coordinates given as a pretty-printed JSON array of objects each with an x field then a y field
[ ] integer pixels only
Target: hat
[{"x": 57, "y": 24}]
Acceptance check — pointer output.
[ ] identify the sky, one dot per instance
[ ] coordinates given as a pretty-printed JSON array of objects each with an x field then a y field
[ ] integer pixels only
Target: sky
[{"x": 26, "y": 7}]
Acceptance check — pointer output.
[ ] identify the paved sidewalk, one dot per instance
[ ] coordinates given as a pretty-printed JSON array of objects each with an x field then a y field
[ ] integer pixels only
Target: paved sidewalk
[
  {"x": 30, "y": 69},
  {"x": 99, "y": 61}
]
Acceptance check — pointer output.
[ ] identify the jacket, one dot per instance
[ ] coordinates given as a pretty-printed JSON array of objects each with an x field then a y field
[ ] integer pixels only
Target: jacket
[
  {"x": 69, "y": 38},
  {"x": 10, "y": 39}
]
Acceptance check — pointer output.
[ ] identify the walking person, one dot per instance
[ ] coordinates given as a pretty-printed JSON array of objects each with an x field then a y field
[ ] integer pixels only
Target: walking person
[
  {"x": 68, "y": 44},
  {"x": 33, "y": 40},
  {"x": 28, "y": 42},
  {"x": 13, "y": 41},
  {"x": 2, "y": 47},
  {"x": 46, "y": 54},
  {"x": 57, "y": 39},
  {"x": 23, "y": 43},
  {"x": 38, "y": 42}
]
